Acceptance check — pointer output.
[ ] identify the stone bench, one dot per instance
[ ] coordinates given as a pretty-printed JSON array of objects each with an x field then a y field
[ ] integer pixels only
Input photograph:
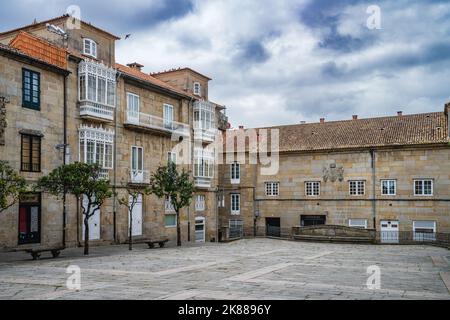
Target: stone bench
[
  {"x": 152, "y": 242},
  {"x": 36, "y": 253}
]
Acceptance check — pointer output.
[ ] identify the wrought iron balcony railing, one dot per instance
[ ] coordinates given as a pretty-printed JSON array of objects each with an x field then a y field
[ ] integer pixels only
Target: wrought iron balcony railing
[{"x": 150, "y": 122}]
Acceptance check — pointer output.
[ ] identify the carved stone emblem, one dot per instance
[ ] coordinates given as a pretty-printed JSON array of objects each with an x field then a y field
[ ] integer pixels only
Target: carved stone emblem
[
  {"x": 333, "y": 173},
  {"x": 3, "y": 122}
]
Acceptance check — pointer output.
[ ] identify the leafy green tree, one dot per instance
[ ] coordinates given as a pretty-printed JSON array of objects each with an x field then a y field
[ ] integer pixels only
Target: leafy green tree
[
  {"x": 129, "y": 200},
  {"x": 11, "y": 186},
  {"x": 83, "y": 181},
  {"x": 168, "y": 183}
]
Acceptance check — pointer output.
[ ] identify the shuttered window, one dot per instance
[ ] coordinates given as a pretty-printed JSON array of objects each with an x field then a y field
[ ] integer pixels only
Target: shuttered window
[{"x": 31, "y": 153}]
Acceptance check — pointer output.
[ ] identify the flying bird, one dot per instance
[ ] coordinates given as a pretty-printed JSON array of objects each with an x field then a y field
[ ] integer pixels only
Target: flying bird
[{"x": 127, "y": 36}]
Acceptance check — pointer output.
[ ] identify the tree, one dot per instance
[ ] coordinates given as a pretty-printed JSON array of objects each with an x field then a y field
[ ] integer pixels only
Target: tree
[
  {"x": 12, "y": 186},
  {"x": 81, "y": 180},
  {"x": 130, "y": 202},
  {"x": 168, "y": 183}
]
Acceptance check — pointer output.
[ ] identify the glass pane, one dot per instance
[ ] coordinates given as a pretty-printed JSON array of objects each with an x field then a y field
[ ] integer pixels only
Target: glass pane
[
  {"x": 92, "y": 87},
  {"x": 101, "y": 97}
]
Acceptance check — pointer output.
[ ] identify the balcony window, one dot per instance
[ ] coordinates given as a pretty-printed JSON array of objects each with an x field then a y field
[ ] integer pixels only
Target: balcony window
[
  {"x": 97, "y": 83},
  {"x": 96, "y": 146},
  {"x": 203, "y": 164},
  {"x": 133, "y": 107},
  {"x": 137, "y": 164},
  {"x": 204, "y": 116},
  {"x": 168, "y": 116}
]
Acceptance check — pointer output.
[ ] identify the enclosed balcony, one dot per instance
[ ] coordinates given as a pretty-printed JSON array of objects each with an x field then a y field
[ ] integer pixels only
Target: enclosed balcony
[
  {"x": 96, "y": 91},
  {"x": 203, "y": 168},
  {"x": 146, "y": 122},
  {"x": 205, "y": 127}
]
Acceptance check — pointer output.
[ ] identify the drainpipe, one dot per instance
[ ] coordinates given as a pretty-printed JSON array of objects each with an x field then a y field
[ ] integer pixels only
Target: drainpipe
[
  {"x": 117, "y": 104},
  {"x": 65, "y": 160},
  {"x": 374, "y": 194},
  {"x": 190, "y": 158}
]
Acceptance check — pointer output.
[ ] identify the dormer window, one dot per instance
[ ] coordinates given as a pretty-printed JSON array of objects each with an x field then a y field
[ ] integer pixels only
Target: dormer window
[
  {"x": 197, "y": 89},
  {"x": 90, "y": 47}
]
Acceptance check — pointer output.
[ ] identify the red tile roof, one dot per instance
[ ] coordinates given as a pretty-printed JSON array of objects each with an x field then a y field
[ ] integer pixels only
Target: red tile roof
[
  {"x": 152, "y": 80},
  {"x": 407, "y": 130},
  {"x": 40, "y": 49}
]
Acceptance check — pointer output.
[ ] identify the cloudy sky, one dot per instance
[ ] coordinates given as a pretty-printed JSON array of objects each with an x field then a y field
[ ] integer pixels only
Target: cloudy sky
[{"x": 282, "y": 62}]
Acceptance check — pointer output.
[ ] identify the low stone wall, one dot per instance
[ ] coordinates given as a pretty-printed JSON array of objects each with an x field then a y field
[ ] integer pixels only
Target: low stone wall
[{"x": 334, "y": 231}]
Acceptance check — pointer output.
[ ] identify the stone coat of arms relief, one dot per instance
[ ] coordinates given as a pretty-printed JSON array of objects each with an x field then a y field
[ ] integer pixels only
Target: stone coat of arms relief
[{"x": 333, "y": 173}]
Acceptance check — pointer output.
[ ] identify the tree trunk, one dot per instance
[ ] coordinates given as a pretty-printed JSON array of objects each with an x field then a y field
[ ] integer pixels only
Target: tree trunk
[
  {"x": 178, "y": 230},
  {"x": 130, "y": 245},
  {"x": 86, "y": 235}
]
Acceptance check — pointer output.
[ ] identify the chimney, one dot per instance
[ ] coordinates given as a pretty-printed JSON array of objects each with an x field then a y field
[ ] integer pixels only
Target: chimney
[
  {"x": 302, "y": 122},
  {"x": 322, "y": 120},
  {"x": 241, "y": 127},
  {"x": 400, "y": 113},
  {"x": 136, "y": 66},
  {"x": 355, "y": 117}
]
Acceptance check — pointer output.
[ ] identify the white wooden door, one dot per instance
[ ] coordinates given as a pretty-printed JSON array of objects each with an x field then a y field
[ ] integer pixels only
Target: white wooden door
[
  {"x": 200, "y": 227},
  {"x": 389, "y": 231},
  {"x": 137, "y": 218},
  {"x": 94, "y": 223}
]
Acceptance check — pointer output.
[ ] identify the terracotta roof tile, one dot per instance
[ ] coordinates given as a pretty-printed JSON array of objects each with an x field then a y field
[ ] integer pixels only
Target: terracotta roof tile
[
  {"x": 150, "y": 79},
  {"x": 416, "y": 129},
  {"x": 40, "y": 49}
]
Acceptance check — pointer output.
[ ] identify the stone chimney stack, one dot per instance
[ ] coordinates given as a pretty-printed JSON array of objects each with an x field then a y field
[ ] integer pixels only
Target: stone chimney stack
[
  {"x": 355, "y": 117},
  {"x": 400, "y": 113},
  {"x": 136, "y": 66},
  {"x": 322, "y": 120}
]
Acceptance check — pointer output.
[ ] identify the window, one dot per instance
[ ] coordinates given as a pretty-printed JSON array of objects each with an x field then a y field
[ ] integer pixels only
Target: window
[
  {"x": 133, "y": 107},
  {"x": 197, "y": 89},
  {"x": 90, "y": 47},
  {"x": 96, "y": 146},
  {"x": 204, "y": 116},
  {"x": 170, "y": 220},
  {"x": 423, "y": 187},
  {"x": 235, "y": 173},
  {"x": 388, "y": 187},
  {"x": 137, "y": 164},
  {"x": 97, "y": 83},
  {"x": 168, "y": 116},
  {"x": 203, "y": 163},
  {"x": 172, "y": 157},
  {"x": 236, "y": 229},
  {"x": 357, "y": 188},
  {"x": 31, "y": 89},
  {"x": 221, "y": 200},
  {"x": 200, "y": 203},
  {"x": 168, "y": 205},
  {"x": 31, "y": 153},
  {"x": 424, "y": 230},
  {"x": 236, "y": 204},
  {"x": 312, "y": 188},
  {"x": 30, "y": 218},
  {"x": 358, "y": 223},
  {"x": 272, "y": 189}
]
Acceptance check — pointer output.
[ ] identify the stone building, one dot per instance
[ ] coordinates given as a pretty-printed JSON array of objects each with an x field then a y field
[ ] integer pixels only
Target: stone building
[
  {"x": 388, "y": 174},
  {"x": 115, "y": 115}
]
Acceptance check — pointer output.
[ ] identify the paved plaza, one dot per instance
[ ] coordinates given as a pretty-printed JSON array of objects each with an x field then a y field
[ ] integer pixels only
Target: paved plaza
[{"x": 246, "y": 269}]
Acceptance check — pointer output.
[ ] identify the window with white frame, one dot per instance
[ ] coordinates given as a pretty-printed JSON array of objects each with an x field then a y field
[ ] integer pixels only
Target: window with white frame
[
  {"x": 97, "y": 83},
  {"x": 204, "y": 115},
  {"x": 133, "y": 107},
  {"x": 272, "y": 189},
  {"x": 423, "y": 187},
  {"x": 96, "y": 146},
  {"x": 235, "y": 173},
  {"x": 357, "y": 188},
  {"x": 197, "y": 88},
  {"x": 137, "y": 159},
  {"x": 200, "y": 203},
  {"x": 172, "y": 157},
  {"x": 358, "y": 223},
  {"x": 168, "y": 116},
  {"x": 388, "y": 187},
  {"x": 235, "y": 204},
  {"x": 170, "y": 220},
  {"x": 424, "y": 230},
  {"x": 90, "y": 47},
  {"x": 312, "y": 188},
  {"x": 203, "y": 163}
]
